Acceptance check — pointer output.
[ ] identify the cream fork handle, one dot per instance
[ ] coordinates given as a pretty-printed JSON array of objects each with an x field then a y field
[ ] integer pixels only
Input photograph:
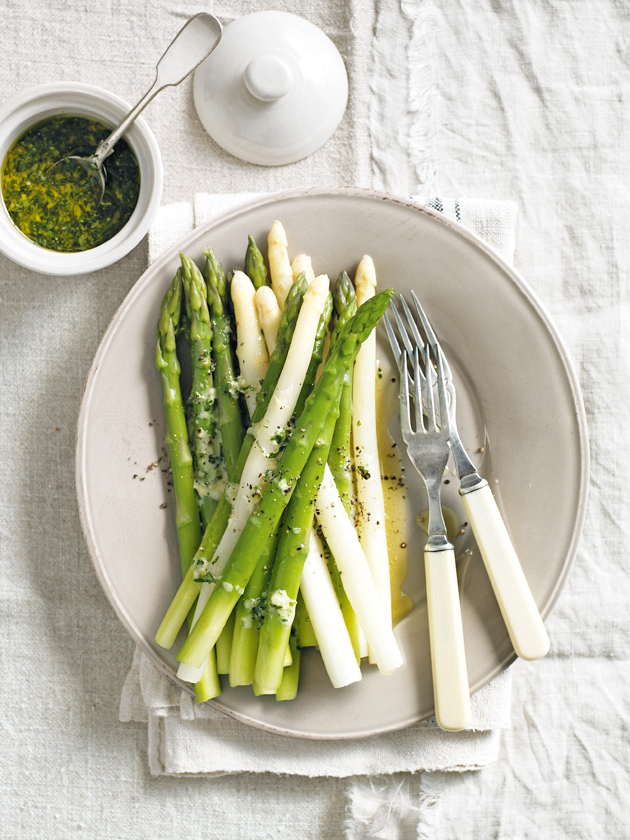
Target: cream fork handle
[
  {"x": 519, "y": 610},
  {"x": 448, "y": 658}
]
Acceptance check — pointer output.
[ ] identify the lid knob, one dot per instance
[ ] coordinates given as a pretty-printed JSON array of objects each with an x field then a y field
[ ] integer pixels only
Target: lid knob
[{"x": 268, "y": 78}]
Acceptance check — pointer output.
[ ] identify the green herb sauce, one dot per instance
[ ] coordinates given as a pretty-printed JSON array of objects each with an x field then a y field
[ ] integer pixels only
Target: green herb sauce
[{"x": 55, "y": 202}]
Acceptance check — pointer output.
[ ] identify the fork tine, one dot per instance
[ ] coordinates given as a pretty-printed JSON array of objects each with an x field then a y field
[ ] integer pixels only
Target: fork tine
[
  {"x": 403, "y": 331},
  {"x": 393, "y": 341},
  {"x": 418, "y": 340},
  {"x": 431, "y": 424},
  {"x": 431, "y": 337},
  {"x": 420, "y": 389},
  {"x": 441, "y": 384},
  {"x": 414, "y": 328},
  {"x": 405, "y": 421},
  {"x": 396, "y": 348}
]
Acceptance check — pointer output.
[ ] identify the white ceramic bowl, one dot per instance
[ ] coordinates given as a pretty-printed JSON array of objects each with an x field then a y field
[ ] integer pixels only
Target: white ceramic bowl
[
  {"x": 36, "y": 104},
  {"x": 510, "y": 368}
]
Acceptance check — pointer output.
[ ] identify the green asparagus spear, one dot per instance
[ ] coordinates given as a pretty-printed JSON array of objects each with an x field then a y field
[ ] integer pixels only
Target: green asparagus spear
[
  {"x": 287, "y": 690},
  {"x": 205, "y": 440},
  {"x": 184, "y": 325},
  {"x": 209, "y": 685},
  {"x": 223, "y": 646},
  {"x": 189, "y": 588},
  {"x": 305, "y": 635},
  {"x": 340, "y": 457},
  {"x": 230, "y": 415},
  {"x": 249, "y": 615},
  {"x": 344, "y": 302},
  {"x": 264, "y": 520},
  {"x": 255, "y": 267},
  {"x": 287, "y": 569},
  {"x": 186, "y": 510}
]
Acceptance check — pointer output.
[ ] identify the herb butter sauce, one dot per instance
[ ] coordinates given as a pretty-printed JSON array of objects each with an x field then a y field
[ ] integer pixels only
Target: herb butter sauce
[
  {"x": 55, "y": 202},
  {"x": 394, "y": 489}
]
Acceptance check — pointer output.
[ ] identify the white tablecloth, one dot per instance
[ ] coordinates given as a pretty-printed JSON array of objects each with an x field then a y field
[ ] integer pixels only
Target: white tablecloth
[{"x": 523, "y": 101}]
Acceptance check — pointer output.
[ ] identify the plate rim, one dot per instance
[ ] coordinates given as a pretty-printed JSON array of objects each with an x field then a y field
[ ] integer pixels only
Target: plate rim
[{"x": 251, "y": 204}]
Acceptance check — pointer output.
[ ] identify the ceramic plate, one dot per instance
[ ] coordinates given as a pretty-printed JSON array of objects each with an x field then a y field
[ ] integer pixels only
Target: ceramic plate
[{"x": 520, "y": 417}]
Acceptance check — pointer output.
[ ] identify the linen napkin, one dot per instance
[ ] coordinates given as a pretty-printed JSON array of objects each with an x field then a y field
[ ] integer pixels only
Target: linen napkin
[{"x": 185, "y": 739}]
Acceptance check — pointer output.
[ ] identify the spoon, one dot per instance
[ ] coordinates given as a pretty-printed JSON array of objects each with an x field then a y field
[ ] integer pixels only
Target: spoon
[{"x": 194, "y": 42}]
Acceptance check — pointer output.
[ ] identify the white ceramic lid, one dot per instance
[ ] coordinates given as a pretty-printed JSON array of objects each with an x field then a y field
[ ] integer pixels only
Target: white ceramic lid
[{"x": 273, "y": 91}]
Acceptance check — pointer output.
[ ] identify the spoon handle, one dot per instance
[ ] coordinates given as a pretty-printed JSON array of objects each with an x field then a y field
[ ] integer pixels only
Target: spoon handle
[{"x": 194, "y": 42}]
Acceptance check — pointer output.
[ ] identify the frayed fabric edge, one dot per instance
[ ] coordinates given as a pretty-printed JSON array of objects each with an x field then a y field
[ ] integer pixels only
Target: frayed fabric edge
[
  {"x": 423, "y": 128},
  {"x": 403, "y": 114},
  {"x": 393, "y": 809}
]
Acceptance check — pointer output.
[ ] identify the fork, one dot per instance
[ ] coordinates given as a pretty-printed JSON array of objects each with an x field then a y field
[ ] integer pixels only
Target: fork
[
  {"x": 429, "y": 450},
  {"x": 518, "y": 608}
]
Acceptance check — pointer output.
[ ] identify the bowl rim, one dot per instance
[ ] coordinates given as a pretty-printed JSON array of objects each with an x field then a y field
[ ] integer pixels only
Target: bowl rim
[{"x": 35, "y": 104}]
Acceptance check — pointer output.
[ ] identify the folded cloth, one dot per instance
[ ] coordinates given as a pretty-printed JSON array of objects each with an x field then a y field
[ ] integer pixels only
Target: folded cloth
[{"x": 185, "y": 739}]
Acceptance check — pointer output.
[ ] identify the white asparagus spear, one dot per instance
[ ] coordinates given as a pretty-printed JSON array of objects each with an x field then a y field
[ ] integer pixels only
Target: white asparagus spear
[
  {"x": 279, "y": 263},
  {"x": 269, "y": 315},
  {"x": 325, "y": 614},
  {"x": 371, "y": 519},
  {"x": 262, "y": 455},
  {"x": 342, "y": 539},
  {"x": 303, "y": 263},
  {"x": 251, "y": 349}
]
